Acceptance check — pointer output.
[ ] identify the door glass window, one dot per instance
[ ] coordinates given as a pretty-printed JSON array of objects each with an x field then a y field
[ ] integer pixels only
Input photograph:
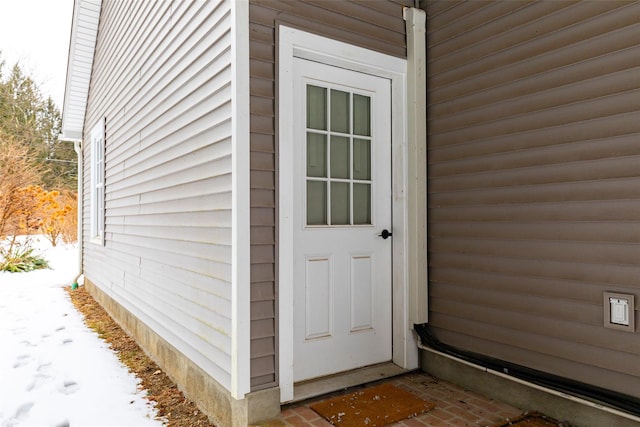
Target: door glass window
[
  {"x": 362, "y": 159},
  {"x": 361, "y": 115},
  {"x": 316, "y": 107},
  {"x": 338, "y": 155},
  {"x": 340, "y": 203},
  {"x": 362, "y": 203},
  {"x": 316, "y": 202},
  {"x": 340, "y": 111},
  {"x": 316, "y": 155}
]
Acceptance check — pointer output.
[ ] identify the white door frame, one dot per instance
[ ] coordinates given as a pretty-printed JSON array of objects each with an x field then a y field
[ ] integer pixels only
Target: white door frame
[{"x": 296, "y": 43}]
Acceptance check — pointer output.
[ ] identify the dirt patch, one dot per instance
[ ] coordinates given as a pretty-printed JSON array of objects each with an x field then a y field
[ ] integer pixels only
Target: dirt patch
[
  {"x": 173, "y": 407},
  {"x": 532, "y": 419}
]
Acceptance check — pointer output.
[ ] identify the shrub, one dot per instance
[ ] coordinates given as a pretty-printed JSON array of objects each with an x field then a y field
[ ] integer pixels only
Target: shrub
[
  {"x": 20, "y": 257},
  {"x": 70, "y": 224},
  {"x": 55, "y": 210},
  {"x": 17, "y": 171},
  {"x": 36, "y": 210}
]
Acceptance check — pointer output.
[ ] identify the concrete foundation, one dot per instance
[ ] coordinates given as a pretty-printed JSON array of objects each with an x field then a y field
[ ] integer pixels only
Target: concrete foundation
[
  {"x": 210, "y": 397},
  {"x": 528, "y": 397}
]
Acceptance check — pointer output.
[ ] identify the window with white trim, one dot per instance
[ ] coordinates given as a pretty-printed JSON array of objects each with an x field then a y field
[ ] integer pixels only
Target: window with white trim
[{"x": 97, "y": 182}]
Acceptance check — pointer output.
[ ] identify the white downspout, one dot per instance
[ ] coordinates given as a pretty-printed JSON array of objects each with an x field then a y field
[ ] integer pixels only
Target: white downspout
[
  {"x": 77, "y": 146},
  {"x": 417, "y": 164}
]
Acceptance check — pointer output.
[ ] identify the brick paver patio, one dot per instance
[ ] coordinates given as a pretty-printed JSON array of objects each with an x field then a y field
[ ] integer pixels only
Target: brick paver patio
[{"x": 455, "y": 406}]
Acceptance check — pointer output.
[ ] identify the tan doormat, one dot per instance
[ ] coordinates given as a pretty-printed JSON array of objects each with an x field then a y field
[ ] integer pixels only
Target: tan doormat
[
  {"x": 374, "y": 406},
  {"x": 531, "y": 419}
]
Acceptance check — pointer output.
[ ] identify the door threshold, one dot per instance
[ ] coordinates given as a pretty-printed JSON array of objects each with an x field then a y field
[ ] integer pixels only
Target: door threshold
[{"x": 317, "y": 387}]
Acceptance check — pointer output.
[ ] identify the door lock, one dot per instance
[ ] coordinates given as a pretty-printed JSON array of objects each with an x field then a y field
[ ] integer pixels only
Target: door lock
[{"x": 385, "y": 234}]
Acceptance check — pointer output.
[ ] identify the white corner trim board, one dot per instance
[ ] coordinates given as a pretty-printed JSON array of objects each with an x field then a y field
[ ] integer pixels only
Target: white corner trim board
[
  {"x": 240, "y": 177},
  {"x": 417, "y": 166}
]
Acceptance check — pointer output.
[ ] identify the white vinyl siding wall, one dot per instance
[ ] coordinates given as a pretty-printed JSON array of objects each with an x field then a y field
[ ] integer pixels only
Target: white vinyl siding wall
[{"x": 162, "y": 79}]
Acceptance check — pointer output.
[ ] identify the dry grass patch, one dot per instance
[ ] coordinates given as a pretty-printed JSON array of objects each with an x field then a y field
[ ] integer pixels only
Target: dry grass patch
[{"x": 172, "y": 406}]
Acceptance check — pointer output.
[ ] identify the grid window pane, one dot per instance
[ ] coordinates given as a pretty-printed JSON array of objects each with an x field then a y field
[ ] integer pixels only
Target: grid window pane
[
  {"x": 316, "y": 203},
  {"x": 340, "y": 158},
  {"x": 316, "y": 155},
  {"x": 362, "y": 203},
  {"x": 339, "y": 111},
  {"x": 361, "y": 115},
  {"x": 316, "y": 107},
  {"x": 361, "y": 159},
  {"x": 340, "y": 202}
]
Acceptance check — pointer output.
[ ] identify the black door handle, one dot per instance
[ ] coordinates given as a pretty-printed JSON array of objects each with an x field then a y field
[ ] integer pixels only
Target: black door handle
[{"x": 385, "y": 234}]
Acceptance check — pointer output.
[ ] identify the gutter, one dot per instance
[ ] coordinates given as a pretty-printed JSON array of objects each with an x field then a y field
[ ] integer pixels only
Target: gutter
[{"x": 618, "y": 404}]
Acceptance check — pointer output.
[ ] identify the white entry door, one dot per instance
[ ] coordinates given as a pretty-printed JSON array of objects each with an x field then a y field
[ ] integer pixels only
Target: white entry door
[{"x": 342, "y": 218}]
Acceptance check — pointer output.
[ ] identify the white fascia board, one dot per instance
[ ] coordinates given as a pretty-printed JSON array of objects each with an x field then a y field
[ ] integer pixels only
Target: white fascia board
[
  {"x": 241, "y": 279},
  {"x": 84, "y": 31}
]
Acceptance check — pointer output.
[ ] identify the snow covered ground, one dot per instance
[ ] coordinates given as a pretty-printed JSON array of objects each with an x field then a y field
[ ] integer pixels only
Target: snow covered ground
[{"x": 54, "y": 371}]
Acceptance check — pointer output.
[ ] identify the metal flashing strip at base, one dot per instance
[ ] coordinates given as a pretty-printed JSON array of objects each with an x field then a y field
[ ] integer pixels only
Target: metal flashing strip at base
[{"x": 620, "y": 402}]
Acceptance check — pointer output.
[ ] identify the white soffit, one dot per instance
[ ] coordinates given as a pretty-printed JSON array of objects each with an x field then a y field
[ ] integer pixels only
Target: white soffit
[{"x": 84, "y": 29}]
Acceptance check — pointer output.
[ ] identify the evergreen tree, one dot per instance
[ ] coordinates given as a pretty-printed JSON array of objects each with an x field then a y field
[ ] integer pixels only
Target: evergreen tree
[
  {"x": 61, "y": 158},
  {"x": 35, "y": 123}
]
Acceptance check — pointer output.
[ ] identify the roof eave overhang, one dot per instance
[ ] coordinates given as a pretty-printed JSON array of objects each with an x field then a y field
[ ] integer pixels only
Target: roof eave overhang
[{"x": 84, "y": 31}]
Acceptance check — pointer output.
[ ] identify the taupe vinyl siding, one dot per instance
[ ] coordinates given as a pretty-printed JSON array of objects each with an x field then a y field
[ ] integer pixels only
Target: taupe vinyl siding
[
  {"x": 377, "y": 25},
  {"x": 162, "y": 78},
  {"x": 534, "y": 182}
]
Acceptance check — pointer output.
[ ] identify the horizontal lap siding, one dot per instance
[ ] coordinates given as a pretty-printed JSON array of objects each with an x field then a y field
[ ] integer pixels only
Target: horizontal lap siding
[
  {"x": 162, "y": 79},
  {"x": 534, "y": 182},
  {"x": 377, "y": 25}
]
